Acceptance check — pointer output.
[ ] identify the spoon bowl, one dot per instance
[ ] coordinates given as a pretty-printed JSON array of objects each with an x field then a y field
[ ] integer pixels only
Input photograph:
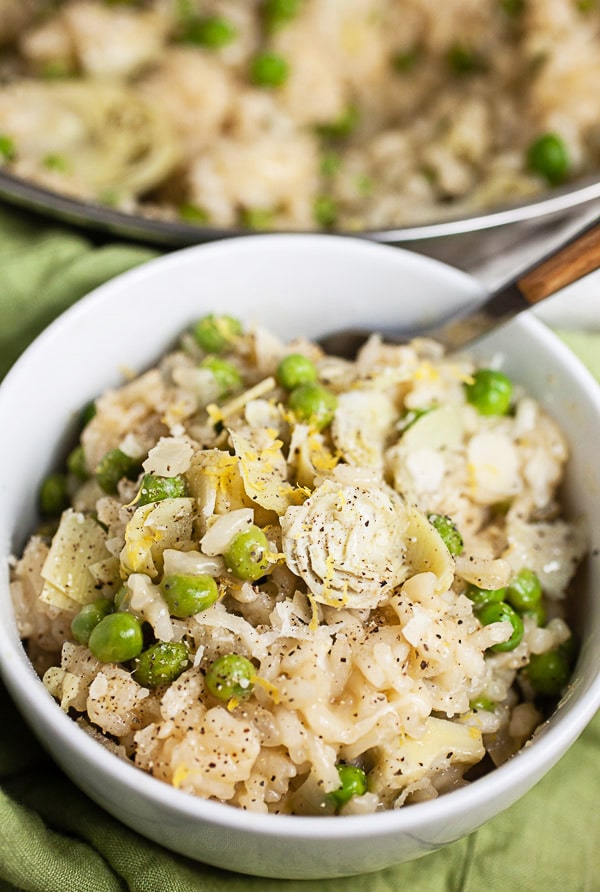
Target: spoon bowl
[{"x": 575, "y": 255}]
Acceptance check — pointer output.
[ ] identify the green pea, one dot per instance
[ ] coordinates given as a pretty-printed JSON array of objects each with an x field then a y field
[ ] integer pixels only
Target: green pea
[
  {"x": 211, "y": 32},
  {"x": 364, "y": 184},
  {"x": 230, "y": 677},
  {"x": 161, "y": 663},
  {"x": 192, "y": 213},
  {"x": 342, "y": 127},
  {"x": 490, "y": 392},
  {"x": 512, "y": 7},
  {"x": 225, "y": 374},
  {"x": 569, "y": 649},
  {"x": 87, "y": 413},
  {"x": 257, "y": 219},
  {"x": 56, "y": 162},
  {"x": 325, "y": 211},
  {"x": 55, "y": 70},
  {"x": 215, "y": 334},
  {"x": 7, "y": 148},
  {"x": 331, "y": 162},
  {"x": 53, "y": 495},
  {"x": 405, "y": 61},
  {"x": 429, "y": 173},
  {"x": 277, "y": 13},
  {"x": 155, "y": 488},
  {"x": 269, "y": 69},
  {"x": 448, "y": 532},
  {"x": 115, "y": 465},
  {"x": 187, "y": 595},
  {"x": 294, "y": 370},
  {"x": 482, "y": 702},
  {"x": 500, "y": 612},
  {"x": 88, "y": 618},
  {"x": 353, "y": 782},
  {"x": 548, "y": 673},
  {"x": 76, "y": 463},
  {"x": 110, "y": 197},
  {"x": 314, "y": 404},
  {"x": 538, "y": 612},
  {"x": 246, "y": 554},
  {"x": 547, "y": 156},
  {"x": 524, "y": 591},
  {"x": 117, "y": 638},
  {"x": 464, "y": 60},
  {"x": 483, "y": 596}
]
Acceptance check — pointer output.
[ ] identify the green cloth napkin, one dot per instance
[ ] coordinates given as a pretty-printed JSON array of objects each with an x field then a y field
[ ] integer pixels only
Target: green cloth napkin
[{"x": 53, "y": 839}]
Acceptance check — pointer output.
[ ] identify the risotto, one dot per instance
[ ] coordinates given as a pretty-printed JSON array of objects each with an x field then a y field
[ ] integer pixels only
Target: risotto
[
  {"x": 300, "y": 114},
  {"x": 303, "y": 585}
]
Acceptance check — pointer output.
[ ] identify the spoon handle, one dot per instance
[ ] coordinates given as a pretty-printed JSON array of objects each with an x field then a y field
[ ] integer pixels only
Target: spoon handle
[{"x": 577, "y": 259}]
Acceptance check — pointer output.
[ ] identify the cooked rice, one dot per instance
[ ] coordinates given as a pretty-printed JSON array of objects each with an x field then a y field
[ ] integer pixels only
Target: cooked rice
[{"x": 366, "y": 648}]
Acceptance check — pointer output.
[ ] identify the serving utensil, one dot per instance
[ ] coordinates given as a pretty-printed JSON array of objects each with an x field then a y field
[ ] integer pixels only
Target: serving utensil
[{"x": 570, "y": 260}]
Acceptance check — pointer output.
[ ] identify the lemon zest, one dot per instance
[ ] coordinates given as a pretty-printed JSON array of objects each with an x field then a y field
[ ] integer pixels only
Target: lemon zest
[
  {"x": 464, "y": 377},
  {"x": 179, "y": 775},
  {"x": 234, "y": 405},
  {"x": 135, "y": 500},
  {"x": 267, "y": 686},
  {"x": 320, "y": 457},
  {"x": 222, "y": 589},
  {"x": 214, "y": 413},
  {"x": 426, "y": 372},
  {"x": 176, "y": 411},
  {"x": 314, "y": 608}
]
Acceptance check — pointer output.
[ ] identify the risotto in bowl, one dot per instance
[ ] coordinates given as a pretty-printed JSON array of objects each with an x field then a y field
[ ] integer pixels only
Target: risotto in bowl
[{"x": 315, "y": 616}]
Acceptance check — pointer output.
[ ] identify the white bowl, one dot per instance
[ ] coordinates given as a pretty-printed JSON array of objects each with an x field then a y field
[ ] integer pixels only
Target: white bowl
[
  {"x": 294, "y": 284},
  {"x": 574, "y": 307}
]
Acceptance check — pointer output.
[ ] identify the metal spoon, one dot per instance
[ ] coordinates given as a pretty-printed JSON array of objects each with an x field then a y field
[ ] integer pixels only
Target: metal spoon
[{"x": 573, "y": 258}]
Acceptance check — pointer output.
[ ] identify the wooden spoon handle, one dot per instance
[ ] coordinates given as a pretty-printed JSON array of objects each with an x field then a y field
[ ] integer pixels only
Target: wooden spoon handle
[{"x": 577, "y": 259}]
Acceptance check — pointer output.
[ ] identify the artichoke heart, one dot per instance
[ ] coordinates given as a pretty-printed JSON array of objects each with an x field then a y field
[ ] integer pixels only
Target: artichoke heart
[{"x": 348, "y": 542}]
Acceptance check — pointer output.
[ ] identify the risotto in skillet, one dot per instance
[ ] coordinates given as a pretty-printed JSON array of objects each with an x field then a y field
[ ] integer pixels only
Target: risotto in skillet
[
  {"x": 300, "y": 114},
  {"x": 302, "y": 585}
]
